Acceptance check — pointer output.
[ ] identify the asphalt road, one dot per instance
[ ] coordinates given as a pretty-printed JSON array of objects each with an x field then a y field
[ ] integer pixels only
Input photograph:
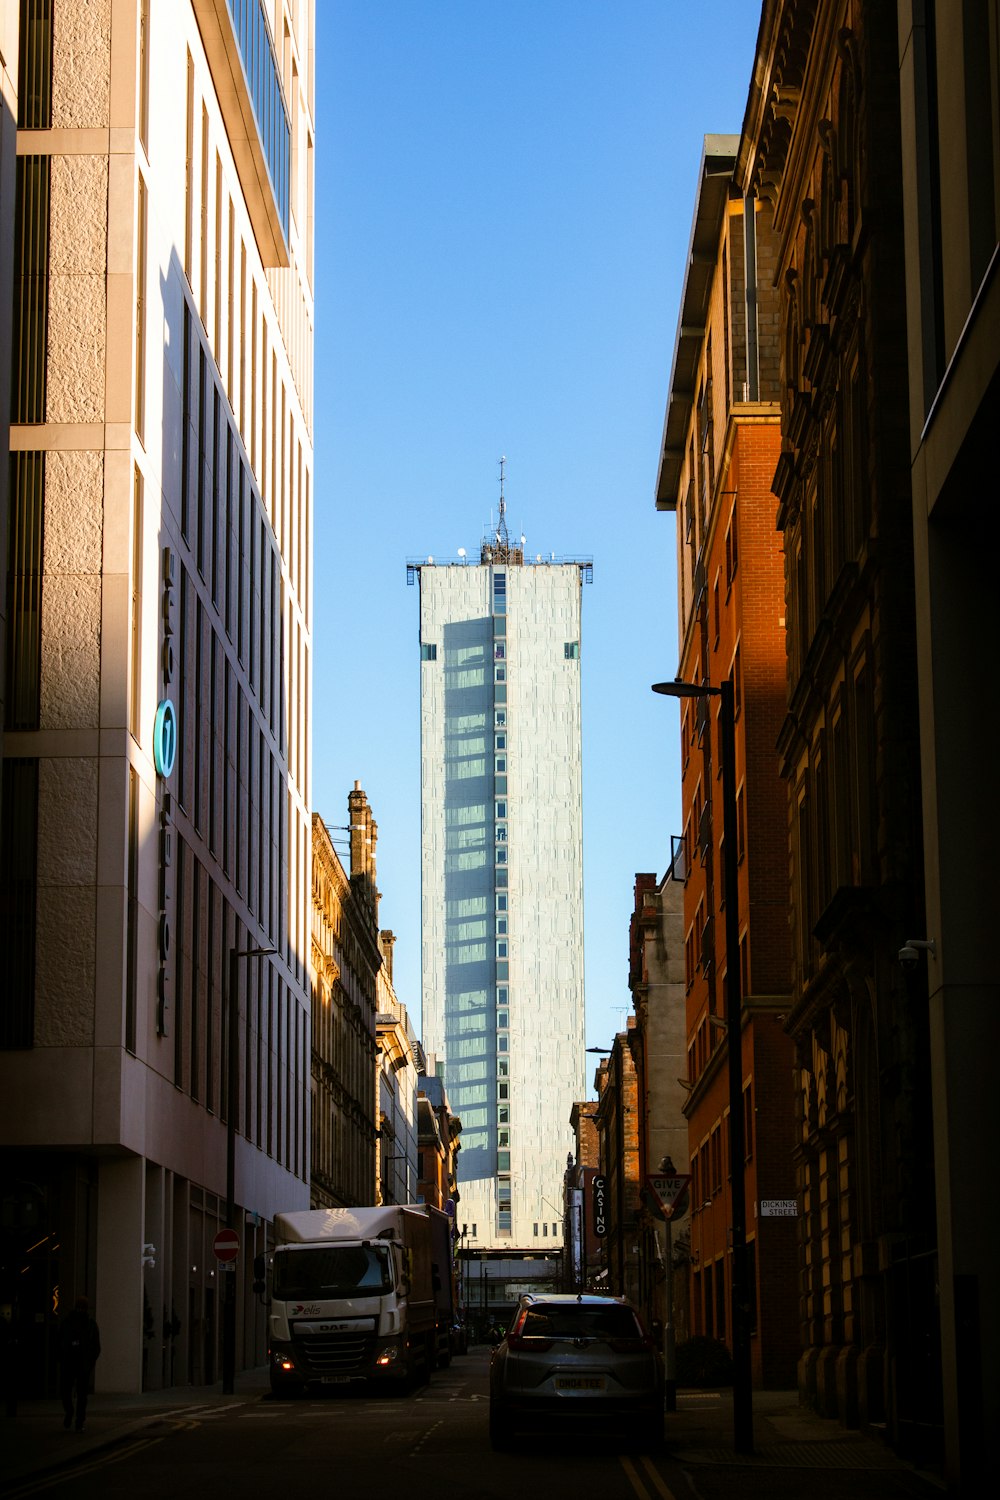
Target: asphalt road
[{"x": 431, "y": 1443}]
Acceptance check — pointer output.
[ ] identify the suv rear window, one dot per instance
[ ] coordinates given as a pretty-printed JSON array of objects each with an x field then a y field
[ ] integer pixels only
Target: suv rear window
[{"x": 581, "y": 1322}]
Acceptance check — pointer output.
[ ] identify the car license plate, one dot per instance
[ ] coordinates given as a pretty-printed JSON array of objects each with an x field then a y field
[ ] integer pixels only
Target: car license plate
[
  {"x": 579, "y": 1382},
  {"x": 335, "y": 1380}
]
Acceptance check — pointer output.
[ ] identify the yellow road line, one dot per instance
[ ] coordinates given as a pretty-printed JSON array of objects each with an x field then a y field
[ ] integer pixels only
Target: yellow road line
[
  {"x": 652, "y": 1475},
  {"x": 49, "y": 1481},
  {"x": 659, "y": 1483},
  {"x": 632, "y": 1474}
]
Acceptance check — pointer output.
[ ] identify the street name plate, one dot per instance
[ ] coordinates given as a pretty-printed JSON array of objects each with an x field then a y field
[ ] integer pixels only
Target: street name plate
[{"x": 779, "y": 1208}]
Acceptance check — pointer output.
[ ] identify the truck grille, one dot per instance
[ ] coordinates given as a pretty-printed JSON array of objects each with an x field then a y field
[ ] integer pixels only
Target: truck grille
[{"x": 338, "y": 1353}]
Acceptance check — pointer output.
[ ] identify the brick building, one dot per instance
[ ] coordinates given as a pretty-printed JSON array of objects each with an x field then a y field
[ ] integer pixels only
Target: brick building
[
  {"x": 721, "y": 442},
  {"x": 346, "y": 959},
  {"x": 820, "y": 151},
  {"x": 617, "y": 1123}
]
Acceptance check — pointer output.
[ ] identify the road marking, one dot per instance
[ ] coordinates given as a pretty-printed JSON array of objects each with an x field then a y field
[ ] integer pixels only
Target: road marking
[
  {"x": 415, "y": 1450},
  {"x": 632, "y": 1475},
  {"x": 652, "y": 1474},
  {"x": 74, "y": 1471},
  {"x": 659, "y": 1484}
]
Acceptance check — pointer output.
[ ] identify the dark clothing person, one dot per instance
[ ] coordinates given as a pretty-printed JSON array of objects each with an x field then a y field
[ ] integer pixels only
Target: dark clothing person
[{"x": 79, "y": 1348}]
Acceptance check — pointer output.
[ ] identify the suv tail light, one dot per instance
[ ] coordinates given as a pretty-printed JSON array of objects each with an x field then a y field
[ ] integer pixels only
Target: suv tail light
[{"x": 520, "y": 1341}]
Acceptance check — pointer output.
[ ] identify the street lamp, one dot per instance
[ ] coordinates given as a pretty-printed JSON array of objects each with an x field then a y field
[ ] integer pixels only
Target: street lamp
[
  {"x": 742, "y": 1378},
  {"x": 232, "y": 1110}
]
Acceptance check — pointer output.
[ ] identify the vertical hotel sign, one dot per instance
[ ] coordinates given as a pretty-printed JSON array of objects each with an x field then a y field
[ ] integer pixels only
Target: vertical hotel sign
[{"x": 164, "y": 756}]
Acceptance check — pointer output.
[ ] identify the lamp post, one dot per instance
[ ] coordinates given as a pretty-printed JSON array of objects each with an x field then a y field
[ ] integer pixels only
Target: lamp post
[
  {"x": 232, "y": 1110},
  {"x": 742, "y": 1379}
]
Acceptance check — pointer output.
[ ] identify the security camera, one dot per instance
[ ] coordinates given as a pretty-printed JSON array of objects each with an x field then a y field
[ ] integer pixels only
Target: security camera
[{"x": 909, "y": 954}]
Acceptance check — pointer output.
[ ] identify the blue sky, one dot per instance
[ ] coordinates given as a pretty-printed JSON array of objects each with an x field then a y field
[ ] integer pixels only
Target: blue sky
[{"x": 504, "y": 203}]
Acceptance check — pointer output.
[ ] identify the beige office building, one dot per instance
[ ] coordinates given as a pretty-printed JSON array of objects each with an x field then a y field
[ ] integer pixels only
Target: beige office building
[{"x": 156, "y": 278}]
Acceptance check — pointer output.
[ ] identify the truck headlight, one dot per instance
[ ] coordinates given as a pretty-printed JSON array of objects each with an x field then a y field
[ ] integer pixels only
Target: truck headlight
[
  {"x": 283, "y": 1362},
  {"x": 389, "y": 1355}
]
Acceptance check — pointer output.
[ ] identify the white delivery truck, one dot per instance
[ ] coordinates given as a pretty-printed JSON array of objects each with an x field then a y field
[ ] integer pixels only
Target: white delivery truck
[{"x": 357, "y": 1294}]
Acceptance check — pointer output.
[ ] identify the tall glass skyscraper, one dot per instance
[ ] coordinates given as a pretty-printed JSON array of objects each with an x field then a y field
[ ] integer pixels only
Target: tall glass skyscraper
[{"x": 502, "y": 875}]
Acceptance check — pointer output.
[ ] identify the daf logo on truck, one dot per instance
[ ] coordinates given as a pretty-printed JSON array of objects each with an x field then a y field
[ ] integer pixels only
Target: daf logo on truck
[{"x": 379, "y": 1281}]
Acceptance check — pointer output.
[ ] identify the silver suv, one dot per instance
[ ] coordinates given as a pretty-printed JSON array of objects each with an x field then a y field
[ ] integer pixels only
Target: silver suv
[{"x": 576, "y": 1357}]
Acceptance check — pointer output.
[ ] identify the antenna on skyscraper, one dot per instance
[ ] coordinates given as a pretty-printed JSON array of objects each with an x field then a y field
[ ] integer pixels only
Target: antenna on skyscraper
[{"x": 502, "y": 539}]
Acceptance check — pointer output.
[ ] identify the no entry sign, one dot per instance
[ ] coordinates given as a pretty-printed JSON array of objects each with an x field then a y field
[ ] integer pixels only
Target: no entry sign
[{"x": 227, "y": 1245}]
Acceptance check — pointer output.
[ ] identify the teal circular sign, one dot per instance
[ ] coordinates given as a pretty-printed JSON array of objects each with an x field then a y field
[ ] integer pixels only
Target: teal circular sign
[{"x": 165, "y": 738}]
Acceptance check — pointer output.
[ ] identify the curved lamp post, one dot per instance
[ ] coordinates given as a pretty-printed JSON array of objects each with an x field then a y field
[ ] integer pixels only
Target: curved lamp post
[{"x": 742, "y": 1377}]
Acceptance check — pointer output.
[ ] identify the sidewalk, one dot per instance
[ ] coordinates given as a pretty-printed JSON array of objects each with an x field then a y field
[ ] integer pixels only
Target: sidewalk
[
  {"x": 785, "y": 1435},
  {"x": 35, "y": 1441}
]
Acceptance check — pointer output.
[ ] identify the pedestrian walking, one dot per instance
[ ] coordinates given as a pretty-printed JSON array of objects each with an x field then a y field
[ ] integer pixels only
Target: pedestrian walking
[{"x": 79, "y": 1348}]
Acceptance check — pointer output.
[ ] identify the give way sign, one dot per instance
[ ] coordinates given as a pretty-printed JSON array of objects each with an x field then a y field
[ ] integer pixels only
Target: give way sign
[{"x": 667, "y": 1189}]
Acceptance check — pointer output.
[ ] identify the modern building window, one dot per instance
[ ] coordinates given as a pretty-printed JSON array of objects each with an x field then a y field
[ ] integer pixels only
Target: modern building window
[
  {"x": 140, "y": 310},
  {"x": 501, "y": 948},
  {"x": 500, "y": 765},
  {"x": 31, "y": 289},
  {"x": 500, "y": 673},
  {"x": 499, "y": 593},
  {"x": 571, "y": 651},
  {"x": 260, "y": 65},
  {"x": 18, "y": 895},
  {"x": 428, "y": 651},
  {"x": 135, "y": 653},
  {"x": 24, "y": 590},
  {"x": 34, "y": 78},
  {"x": 499, "y": 742}
]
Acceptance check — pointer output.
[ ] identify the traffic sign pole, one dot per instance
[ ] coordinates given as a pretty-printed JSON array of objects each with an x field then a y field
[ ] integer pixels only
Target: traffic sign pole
[{"x": 668, "y": 1188}]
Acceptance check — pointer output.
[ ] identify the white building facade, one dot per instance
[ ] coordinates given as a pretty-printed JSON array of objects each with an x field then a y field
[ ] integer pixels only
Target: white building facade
[
  {"x": 154, "y": 826},
  {"x": 502, "y": 876}
]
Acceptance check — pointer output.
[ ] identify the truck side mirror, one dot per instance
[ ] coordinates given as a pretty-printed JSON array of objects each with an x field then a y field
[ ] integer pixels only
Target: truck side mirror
[{"x": 259, "y": 1267}]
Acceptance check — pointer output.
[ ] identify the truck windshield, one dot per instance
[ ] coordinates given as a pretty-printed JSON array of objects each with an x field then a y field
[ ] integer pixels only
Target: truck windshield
[{"x": 333, "y": 1271}]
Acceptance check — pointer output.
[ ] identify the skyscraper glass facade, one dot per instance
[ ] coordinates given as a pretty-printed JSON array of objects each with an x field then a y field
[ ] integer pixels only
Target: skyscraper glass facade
[{"x": 502, "y": 877}]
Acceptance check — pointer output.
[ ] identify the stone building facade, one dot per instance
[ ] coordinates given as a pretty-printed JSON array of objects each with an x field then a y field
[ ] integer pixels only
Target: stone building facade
[
  {"x": 656, "y": 980},
  {"x": 950, "y": 112},
  {"x": 721, "y": 442},
  {"x": 154, "y": 844},
  {"x": 821, "y": 148},
  {"x": 439, "y": 1140},
  {"x": 399, "y": 1063},
  {"x": 346, "y": 961}
]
